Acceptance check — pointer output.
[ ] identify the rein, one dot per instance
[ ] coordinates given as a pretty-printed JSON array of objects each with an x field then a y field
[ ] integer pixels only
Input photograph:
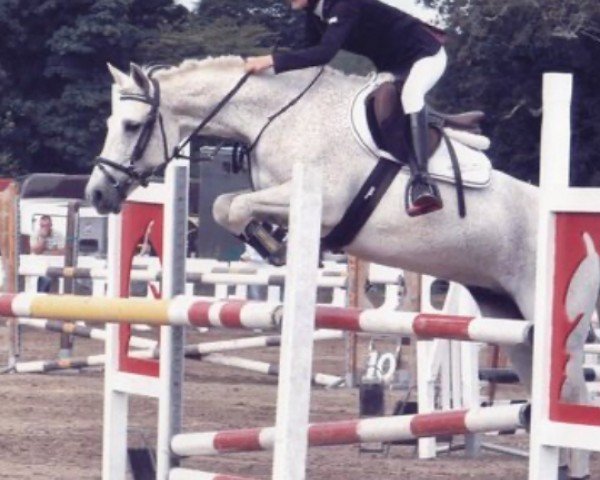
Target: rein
[
  {"x": 225, "y": 100},
  {"x": 245, "y": 152},
  {"x": 295, "y": 100}
]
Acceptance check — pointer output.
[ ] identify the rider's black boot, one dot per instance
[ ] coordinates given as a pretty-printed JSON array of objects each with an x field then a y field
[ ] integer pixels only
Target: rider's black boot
[{"x": 422, "y": 195}]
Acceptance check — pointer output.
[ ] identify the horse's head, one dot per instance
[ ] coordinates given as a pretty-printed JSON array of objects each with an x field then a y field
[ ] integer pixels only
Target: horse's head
[{"x": 140, "y": 133}]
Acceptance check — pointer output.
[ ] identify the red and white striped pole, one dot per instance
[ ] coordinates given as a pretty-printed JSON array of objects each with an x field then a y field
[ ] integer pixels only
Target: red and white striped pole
[
  {"x": 383, "y": 429},
  {"x": 187, "y": 474},
  {"x": 192, "y": 311}
]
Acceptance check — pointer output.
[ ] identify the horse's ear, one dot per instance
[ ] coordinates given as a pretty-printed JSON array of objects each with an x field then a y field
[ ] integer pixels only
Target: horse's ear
[
  {"x": 139, "y": 77},
  {"x": 119, "y": 77}
]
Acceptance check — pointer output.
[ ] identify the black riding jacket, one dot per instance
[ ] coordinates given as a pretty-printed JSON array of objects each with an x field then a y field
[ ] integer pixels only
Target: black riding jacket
[{"x": 393, "y": 40}]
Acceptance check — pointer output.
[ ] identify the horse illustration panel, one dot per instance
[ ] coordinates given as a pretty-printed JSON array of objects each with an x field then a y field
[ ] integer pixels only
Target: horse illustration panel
[{"x": 576, "y": 287}]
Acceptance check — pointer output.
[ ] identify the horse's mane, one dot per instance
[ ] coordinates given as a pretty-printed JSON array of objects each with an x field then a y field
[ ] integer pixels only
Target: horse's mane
[
  {"x": 234, "y": 62},
  {"x": 208, "y": 63}
]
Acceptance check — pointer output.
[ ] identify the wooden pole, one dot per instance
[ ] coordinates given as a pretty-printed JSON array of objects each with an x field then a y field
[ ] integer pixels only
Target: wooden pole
[
  {"x": 9, "y": 252},
  {"x": 71, "y": 252},
  {"x": 412, "y": 303},
  {"x": 358, "y": 272}
]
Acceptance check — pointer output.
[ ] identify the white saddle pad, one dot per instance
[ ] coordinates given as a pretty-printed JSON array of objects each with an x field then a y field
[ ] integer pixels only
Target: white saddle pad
[{"x": 475, "y": 166}]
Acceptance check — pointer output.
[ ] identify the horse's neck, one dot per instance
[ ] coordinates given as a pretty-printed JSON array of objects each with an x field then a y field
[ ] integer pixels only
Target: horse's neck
[{"x": 193, "y": 95}]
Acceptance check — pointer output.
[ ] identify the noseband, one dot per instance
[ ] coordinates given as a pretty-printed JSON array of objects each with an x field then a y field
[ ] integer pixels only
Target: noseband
[{"x": 142, "y": 178}]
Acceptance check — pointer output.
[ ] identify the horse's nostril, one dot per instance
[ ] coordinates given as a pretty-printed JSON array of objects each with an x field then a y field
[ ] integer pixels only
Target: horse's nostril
[{"x": 96, "y": 197}]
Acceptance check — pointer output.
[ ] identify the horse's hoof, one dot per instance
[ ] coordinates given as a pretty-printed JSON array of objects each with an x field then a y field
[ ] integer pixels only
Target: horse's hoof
[
  {"x": 563, "y": 473},
  {"x": 278, "y": 259}
]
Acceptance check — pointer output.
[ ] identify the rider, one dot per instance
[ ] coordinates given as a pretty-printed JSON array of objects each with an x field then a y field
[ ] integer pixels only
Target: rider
[{"x": 395, "y": 42}]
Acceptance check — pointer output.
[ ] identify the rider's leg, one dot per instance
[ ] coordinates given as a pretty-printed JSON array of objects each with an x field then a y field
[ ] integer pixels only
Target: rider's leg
[
  {"x": 394, "y": 138},
  {"x": 391, "y": 123},
  {"x": 423, "y": 194}
]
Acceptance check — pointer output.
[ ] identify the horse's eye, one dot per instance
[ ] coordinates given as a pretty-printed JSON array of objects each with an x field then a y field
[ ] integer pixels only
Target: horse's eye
[{"x": 132, "y": 127}]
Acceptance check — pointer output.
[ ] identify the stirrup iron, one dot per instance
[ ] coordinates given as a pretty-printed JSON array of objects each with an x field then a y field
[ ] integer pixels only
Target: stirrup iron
[{"x": 428, "y": 201}]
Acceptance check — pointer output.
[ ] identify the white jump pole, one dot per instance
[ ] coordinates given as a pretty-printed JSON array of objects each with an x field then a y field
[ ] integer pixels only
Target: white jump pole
[
  {"x": 116, "y": 400},
  {"x": 293, "y": 394},
  {"x": 554, "y": 173},
  {"x": 172, "y": 339}
]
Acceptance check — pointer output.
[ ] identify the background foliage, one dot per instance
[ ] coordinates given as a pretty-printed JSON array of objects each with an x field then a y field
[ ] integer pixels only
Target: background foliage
[
  {"x": 54, "y": 85},
  {"x": 498, "y": 53},
  {"x": 55, "y": 89}
]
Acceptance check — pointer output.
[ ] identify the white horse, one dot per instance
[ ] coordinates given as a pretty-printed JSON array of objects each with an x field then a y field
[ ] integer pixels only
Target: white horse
[{"x": 492, "y": 250}]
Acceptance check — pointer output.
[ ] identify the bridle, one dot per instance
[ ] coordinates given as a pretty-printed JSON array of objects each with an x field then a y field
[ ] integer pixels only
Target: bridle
[
  {"x": 142, "y": 178},
  {"x": 132, "y": 175}
]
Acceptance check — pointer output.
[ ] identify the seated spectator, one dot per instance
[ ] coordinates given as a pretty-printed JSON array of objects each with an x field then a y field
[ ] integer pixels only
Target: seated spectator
[{"x": 46, "y": 241}]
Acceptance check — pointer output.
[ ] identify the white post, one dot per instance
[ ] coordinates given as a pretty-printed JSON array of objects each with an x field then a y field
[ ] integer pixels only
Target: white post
[
  {"x": 554, "y": 178},
  {"x": 291, "y": 437},
  {"x": 116, "y": 402},
  {"x": 172, "y": 338},
  {"x": 427, "y": 370}
]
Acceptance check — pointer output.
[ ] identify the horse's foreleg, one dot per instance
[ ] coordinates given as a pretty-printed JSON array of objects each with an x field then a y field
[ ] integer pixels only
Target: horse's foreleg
[
  {"x": 234, "y": 211},
  {"x": 271, "y": 204},
  {"x": 575, "y": 391},
  {"x": 221, "y": 209},
  {"x": 244, "y": 214},
  {"x": 261, "y": 212},
  {"x": 521, "y": 358},
  {"x": 494, "y": 305}
]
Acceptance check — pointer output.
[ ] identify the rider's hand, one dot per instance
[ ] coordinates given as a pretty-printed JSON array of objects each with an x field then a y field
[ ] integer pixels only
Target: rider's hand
[{"x": 258, "y": 64}]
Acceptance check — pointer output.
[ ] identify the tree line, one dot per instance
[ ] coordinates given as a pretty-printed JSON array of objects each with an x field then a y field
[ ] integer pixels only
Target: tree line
[{"x": 55, "y": 88}]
